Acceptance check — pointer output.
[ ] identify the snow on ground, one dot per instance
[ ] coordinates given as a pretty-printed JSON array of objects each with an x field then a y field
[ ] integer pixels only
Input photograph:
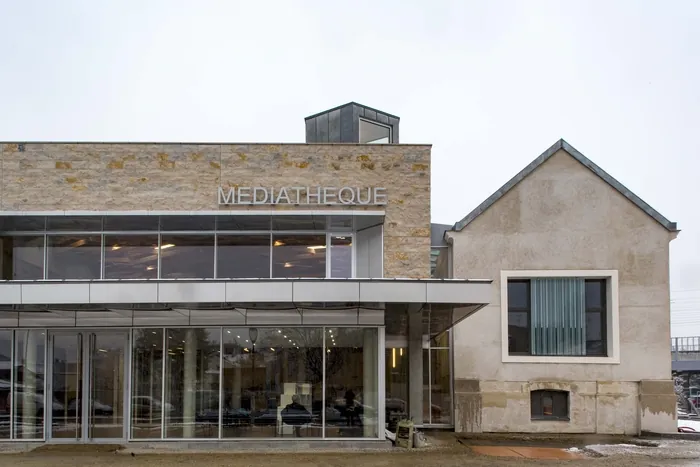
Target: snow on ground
[{"x": 668, "y": 449}]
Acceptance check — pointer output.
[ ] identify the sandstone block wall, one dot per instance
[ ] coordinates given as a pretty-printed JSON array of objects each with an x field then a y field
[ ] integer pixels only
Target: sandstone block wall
[{"x": 126, "y": 176}]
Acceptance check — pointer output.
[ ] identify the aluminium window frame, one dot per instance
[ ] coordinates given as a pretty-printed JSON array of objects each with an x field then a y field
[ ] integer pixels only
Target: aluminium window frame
[{"x": 612, "y": 315}]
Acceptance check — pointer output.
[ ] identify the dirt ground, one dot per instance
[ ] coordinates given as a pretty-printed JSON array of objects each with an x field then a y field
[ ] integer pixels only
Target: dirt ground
[{"x": 448, "y": 458}]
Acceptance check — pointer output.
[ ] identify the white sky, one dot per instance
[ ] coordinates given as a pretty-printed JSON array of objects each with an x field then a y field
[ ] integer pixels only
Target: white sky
[{"x": 491, "y": 84}]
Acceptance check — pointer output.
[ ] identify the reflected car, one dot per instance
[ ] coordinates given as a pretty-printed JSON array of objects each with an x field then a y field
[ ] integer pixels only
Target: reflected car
[{"x": 98, "y": 407}]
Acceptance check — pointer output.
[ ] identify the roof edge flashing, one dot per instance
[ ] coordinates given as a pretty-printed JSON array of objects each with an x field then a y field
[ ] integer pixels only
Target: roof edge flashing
[{"x": 561, "y": 144}]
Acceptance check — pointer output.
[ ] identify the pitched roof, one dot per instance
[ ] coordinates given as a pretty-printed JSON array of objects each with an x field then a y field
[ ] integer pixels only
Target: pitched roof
[{"x": 564, "y": 146}]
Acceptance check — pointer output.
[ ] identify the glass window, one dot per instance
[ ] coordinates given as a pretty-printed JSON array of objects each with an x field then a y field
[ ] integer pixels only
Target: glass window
[
  {"x": 299, "y": 256},
  {"x": 272, "y": 382},
  {"x": 74, "y": 257},
  {"x": 440, "y": 387},
  {"x": 549, "y": 405},
  {"x": 5, "y": 398},
  {"x": 341, "y": 256},
  {"x": 351, "y": 383},
  {"x": 519, "y": 295},
  {"x": 595, "y": 294},
  {"x": 28, "y": 392},
  {"x": 22, "y": 224},
  {"x": 22, "y": 258},
  {"x": 374, "y": 133},
  {"x": 576, "y": 306},
  {"x": 518, "y": 332},
  {"x": 243, "y": 256},
  {"x": 147, "y": 378},
  {"x": 396, "y": 366},
  {"x": 426, "y": 385},
  {"x": 185, "y": 223},
  {"x": 131, "y": 256},
  {"x": 282, "y": 222},
  {"x": 74, "y": 223},
  {"x": 243, "y": 223},
  {"x": 119, "y": 223},
  {"x": 192, "y": 383},
  {"x": 187, "y": 256}
]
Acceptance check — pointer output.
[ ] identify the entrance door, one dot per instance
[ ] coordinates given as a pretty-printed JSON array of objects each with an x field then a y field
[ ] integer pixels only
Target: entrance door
[{"x": 88, "y": 384}]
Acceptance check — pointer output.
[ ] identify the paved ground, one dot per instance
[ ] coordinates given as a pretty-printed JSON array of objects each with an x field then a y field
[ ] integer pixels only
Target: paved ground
[{"x": 448, "y": 457}]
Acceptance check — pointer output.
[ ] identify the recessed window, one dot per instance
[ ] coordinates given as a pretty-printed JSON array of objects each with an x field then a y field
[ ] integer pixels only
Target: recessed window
[
  {"x": 564, "y": 316},
  {"x": 549, "y": 405},
  {"x": 374, "y": 133}
]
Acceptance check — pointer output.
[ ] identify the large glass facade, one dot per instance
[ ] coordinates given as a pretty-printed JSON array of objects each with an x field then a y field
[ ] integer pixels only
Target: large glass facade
[
  {"x": 177, "y": 247},
  {"x": 272, "y": 382},
  {"x": 28, "y": 399},
  {"x": 147, "y": 405},
  {"x": 192, "y": 382},
  {"x": 352, "y": 390}
]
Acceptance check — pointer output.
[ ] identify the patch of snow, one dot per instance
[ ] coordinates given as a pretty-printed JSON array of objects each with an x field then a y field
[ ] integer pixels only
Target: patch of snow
[{"x": 573, "y": 450}]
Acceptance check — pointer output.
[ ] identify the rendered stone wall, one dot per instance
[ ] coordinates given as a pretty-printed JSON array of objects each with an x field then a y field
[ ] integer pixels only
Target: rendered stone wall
[
  {"x": 564, "y": 217},
  {"x": 167, "y": 177}
]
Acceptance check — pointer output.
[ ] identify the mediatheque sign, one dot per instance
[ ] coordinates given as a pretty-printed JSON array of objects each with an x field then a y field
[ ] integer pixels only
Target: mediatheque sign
[{"x": 314, "y": 195}]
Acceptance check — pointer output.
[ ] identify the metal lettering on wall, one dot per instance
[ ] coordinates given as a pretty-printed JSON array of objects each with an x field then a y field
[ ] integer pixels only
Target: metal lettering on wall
[{"x": 317, "y": 195}]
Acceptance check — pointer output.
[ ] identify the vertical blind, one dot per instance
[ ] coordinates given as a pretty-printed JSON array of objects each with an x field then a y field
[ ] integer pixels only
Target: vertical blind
[{"x": 558, "y": 316}]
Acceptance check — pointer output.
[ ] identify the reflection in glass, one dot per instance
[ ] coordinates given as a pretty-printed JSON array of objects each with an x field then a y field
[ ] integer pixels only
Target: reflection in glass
[
  {"x": 131, "y": 256},
  {"x": 243, "y": 256},
  {"x": 22, "y": 258},
  {"x": 239, "y": 223},
  {"x": 146, "y": 386},
  {"x": 282, "y": 222},
  {"x": 187, "y": 256},
  {"x": 22, "y": 223},
  {"x": 185, "y": 223},
  {"x": 67, "y": 384},
  {"x": 28, "y": 392},
  {"x": 74, "y": 223},
  {"x": 5, "y": 399},
  {"x": 299, "y": 256},
  {"x": 374, "y": 133},
  {"x": 396, "y": 367},
  {"x": 74, "y": 257},
  {"x": 107, "y": 384},
  {"x": 145, "y": 223},
  {"x": 272, "y": 382},
  {"x": 192, "y": 383},
  {"x": 351, "y": 383},
  {"x": 440, "y": 389},
  {"x": 426, "y": 386},
  {"x": 341, "y": 256}
]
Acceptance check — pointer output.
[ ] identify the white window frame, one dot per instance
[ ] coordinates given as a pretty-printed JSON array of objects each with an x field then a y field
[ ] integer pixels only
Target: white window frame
[{"x": 612, "y": 315}]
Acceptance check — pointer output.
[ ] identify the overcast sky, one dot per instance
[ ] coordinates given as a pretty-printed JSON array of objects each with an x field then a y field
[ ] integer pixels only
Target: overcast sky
[{"x": 491, "y": 84}]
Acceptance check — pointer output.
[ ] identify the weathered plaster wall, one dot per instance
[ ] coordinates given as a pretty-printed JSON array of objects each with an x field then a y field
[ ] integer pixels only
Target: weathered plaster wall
[
  {"x": 563, "y": 216},
  {"x": 87, "y": 176}
]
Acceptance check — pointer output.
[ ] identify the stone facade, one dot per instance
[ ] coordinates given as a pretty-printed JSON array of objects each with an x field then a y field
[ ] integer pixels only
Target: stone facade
[
  {"x": 186, "y": 177},
  {"x": 564, "y": 217}
]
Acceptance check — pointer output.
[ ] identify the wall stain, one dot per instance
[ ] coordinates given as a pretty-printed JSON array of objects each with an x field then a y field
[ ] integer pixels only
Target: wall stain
[
  {"x": 63, "y": 165},
  {"x": 163, "y": 161},
  {"x": 215, "y": 165},
  {"x": 195, "y": 156},
  {"x": 419, "y": 167},
  {"x": 115, "y": 165},
  {"x": 71, "y": 179},
  {"x": 367, "y": 165}
]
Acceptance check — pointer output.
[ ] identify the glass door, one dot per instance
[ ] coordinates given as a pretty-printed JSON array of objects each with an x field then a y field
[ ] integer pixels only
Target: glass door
[
  {"x": 88, "y": 384},
  {"x": 107, "y": 385},
  {"x": 66, "y": 386}
]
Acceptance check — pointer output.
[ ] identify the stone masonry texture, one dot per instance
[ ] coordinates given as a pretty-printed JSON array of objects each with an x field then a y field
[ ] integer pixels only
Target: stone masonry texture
[{"x": 186, "y": 177}]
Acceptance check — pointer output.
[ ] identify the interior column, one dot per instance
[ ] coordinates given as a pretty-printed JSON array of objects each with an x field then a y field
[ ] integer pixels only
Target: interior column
[
  {"x": 370, "y": 381},
  {"x": 190, "y": 375},
  {"x": 415, "y": 363},
  {"x": 29, "y": 370}
]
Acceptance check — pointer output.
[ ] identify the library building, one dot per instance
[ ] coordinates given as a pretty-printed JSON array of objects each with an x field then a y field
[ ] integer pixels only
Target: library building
[{"x": 222, "y": 292}]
